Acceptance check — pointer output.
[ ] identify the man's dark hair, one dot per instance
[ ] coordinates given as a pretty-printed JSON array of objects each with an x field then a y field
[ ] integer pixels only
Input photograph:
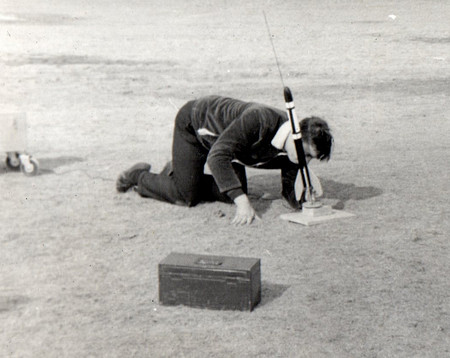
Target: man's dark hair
[{"x": 316, "y": 131}]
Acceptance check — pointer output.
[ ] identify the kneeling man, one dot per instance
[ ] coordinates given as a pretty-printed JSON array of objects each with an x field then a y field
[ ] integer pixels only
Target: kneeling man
[{"x": 228, "y": 134}]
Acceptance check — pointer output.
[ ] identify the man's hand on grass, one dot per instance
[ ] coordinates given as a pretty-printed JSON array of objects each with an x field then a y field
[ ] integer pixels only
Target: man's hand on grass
[{"x": 245, "y": 214}]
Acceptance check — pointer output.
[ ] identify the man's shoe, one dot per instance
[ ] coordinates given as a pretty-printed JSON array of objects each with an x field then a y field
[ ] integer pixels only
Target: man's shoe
[{"x": 129, "y": 178}]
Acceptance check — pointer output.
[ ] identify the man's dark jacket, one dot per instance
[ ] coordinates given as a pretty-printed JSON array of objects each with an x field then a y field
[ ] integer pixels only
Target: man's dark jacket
[{"x": 235, "y": 131}]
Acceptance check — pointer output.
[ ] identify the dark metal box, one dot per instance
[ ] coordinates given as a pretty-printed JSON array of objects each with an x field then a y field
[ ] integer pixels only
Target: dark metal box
[{"x": 206, "y": 281}]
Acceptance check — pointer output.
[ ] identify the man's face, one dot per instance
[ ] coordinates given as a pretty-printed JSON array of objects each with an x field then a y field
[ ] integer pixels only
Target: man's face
[{"x": 310, "y": 151}]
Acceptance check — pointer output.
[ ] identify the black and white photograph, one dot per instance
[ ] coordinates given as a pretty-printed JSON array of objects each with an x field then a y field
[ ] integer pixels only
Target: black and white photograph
[{"x": 262, "y": 178}]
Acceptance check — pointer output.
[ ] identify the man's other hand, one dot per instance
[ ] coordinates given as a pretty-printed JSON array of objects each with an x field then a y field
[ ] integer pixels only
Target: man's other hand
[{"x": 245, "y": 214}]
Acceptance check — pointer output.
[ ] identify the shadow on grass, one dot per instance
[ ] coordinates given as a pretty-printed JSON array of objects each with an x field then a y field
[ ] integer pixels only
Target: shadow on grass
[
  {"x": 46, "y": 165},
  {"x": 344, "y": 192},
  {"x": 10, "y": 303},
  {"x": 270, "y": 292},
  {"x": 269, "y": 184}
]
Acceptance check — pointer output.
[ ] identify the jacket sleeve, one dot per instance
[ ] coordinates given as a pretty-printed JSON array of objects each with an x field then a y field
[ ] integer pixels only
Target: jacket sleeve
[{"x": 237, "y": 138}]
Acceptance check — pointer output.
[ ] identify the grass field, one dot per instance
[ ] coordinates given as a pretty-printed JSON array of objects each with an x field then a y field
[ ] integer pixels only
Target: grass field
[{"x": 101, "y": 81}]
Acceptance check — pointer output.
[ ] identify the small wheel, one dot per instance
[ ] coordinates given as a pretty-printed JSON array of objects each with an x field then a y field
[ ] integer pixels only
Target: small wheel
[
  {"x": 31, "y": 168},
  {"x": 13, "y": 162}
]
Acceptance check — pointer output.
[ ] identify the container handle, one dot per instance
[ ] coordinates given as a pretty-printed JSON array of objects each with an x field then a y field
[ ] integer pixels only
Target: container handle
[{"x": 208, "y": 262}]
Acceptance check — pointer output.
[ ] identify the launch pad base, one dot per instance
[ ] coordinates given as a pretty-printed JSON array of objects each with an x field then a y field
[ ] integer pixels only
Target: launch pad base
[{"x": 315, "y": 215}]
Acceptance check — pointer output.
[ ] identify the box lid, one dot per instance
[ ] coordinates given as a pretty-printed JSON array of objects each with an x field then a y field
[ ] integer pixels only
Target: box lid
[{"x": 189, "y": 263}]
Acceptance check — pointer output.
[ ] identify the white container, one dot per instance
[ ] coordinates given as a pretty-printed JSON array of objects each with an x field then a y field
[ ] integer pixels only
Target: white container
[
  {"x": 13, "y": 141},
  {"x": 13, "y": 132}
]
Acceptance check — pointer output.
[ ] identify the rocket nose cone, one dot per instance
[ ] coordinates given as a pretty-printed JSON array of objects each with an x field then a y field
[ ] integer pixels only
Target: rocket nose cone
[{"x": 288, "y": 95}]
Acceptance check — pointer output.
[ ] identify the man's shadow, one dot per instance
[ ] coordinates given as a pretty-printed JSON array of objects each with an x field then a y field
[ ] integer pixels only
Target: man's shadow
[
  {"x": 269, "y": 186},
  {"x": 46, "y": 165},
  {"x": 344, "y": 192}
]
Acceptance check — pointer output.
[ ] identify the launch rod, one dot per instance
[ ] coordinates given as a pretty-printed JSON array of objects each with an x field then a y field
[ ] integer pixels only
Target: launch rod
[
  {"x": 273, "y": 48},
  {"x": 295, "y": 124}
]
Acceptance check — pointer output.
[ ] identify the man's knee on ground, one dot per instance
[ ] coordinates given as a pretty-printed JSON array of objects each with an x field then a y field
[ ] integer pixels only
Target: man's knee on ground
[
  {"x": 188, "y": 198},
  {"x": 188, "y": 203}
]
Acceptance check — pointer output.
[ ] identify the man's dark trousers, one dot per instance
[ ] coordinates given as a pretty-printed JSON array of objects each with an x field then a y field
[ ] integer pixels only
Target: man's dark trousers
[{"x": 185, "y": 183}]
